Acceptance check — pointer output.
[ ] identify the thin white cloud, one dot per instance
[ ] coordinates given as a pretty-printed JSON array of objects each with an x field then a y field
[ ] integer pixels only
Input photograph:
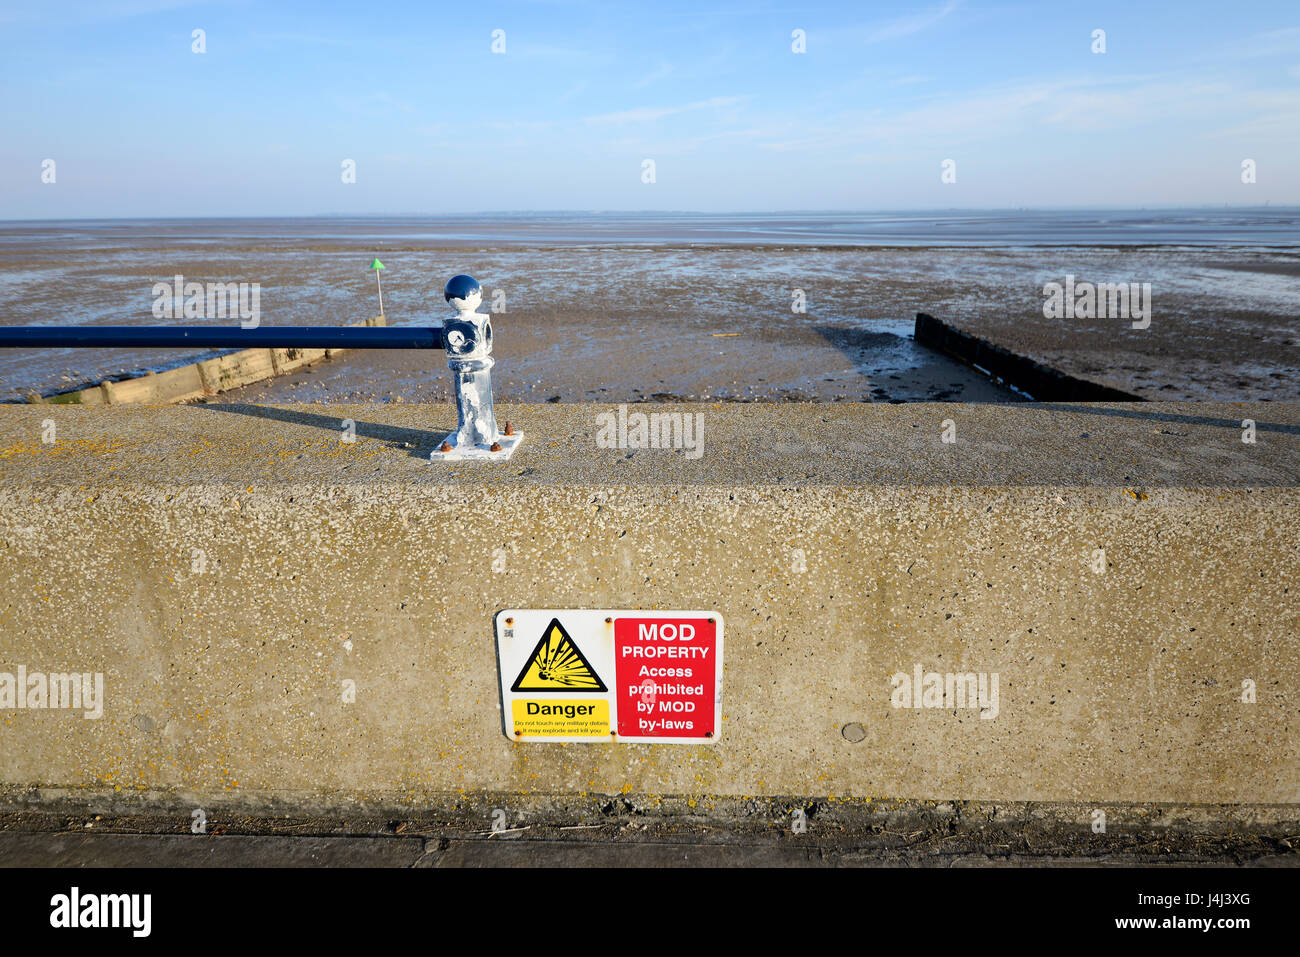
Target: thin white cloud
[
  {"x": 1274, "y": 42},
  {"x": 1262, "y": 115},
  {"x": 664, "y": 70},
  {"x": 1063, "y": 108},
  {"x": 906, "y": 26},
  {"x": 379, "y": 103},
  {"x": 571, "y": 92},
  {"x": 648, "y": 114},
  {"x": 64, "y": 12},
  {"x": 305, "y": 39},
  {"x": 521, "y": 126},
  {"x": 679, "y": 146}
]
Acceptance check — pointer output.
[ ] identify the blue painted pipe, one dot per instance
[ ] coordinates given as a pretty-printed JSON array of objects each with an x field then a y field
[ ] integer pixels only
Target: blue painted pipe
[{"x": 222, "y": 337}]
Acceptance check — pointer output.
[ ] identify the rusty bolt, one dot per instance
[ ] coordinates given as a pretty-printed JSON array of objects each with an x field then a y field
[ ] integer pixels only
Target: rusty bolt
[
  {"x": 510, "y": 429},
  {"x": 713, "y": 621},
  {"x": 445, "y": 447},
  {"x": 518, "y": 733},
  {"x": 609, "y": 621},
  {"x": 510, "y": 621},
  {"x": 496, "y": 447},
  {"x": 708, "y": 734}
]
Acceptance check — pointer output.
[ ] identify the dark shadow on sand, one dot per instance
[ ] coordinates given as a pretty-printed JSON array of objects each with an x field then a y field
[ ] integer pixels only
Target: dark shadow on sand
[
  {"x": 418, "y": 443},
  {"x": 1172, "y": 417},
  {"x": 932, "y": 374}
]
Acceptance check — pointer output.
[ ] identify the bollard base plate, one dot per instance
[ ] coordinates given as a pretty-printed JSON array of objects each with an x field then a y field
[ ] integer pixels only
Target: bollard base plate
[{"x": 481, "y": 453}]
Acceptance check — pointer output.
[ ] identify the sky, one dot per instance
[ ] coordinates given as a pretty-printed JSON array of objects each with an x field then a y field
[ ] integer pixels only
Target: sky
[{"x": 582, "y": 95}]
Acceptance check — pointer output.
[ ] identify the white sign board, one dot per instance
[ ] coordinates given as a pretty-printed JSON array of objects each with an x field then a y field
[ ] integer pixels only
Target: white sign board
[{"x": 645, "y": 677}]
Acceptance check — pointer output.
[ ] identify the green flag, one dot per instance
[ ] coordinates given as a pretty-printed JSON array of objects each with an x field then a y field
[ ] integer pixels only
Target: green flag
[{"x": 376, "y": 265}]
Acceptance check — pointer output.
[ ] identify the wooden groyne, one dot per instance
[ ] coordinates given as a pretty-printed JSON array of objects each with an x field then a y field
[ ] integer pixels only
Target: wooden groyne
[{"x": 1039, "y": 382}]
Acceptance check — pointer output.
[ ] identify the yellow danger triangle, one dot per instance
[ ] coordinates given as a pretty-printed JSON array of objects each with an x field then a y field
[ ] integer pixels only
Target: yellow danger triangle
[{"x": 556, "y": 664}]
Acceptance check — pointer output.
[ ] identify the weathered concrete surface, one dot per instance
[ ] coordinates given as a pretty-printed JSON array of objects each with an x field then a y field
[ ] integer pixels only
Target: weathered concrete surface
[{"x": 841, "y": 543}]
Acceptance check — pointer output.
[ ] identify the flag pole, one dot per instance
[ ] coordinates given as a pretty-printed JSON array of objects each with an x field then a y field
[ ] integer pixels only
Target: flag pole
[{"x": 377, "y": 266}]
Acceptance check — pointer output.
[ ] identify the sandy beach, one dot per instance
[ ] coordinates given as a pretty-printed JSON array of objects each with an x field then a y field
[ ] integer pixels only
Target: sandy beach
[{"x": 682, "y": 320}]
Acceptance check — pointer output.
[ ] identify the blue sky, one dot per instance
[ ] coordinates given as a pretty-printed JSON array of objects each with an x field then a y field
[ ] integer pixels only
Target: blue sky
[{"x": 139, "y": 125}]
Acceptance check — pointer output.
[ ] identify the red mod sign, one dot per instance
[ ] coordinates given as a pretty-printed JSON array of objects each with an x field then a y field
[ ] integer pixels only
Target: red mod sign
[{"x": 666, "y": 669}]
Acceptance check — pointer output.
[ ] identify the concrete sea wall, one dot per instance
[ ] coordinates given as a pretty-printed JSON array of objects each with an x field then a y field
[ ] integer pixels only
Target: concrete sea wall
[{"x": 1127, "y": 574}]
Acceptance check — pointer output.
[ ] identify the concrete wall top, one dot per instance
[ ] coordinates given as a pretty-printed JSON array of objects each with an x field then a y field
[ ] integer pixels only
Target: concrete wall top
[{"x": 1119, "y": 446}]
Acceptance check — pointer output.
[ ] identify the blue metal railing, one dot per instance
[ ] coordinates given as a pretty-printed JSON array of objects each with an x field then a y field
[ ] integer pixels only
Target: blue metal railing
[{"x": 223, "y": 337}]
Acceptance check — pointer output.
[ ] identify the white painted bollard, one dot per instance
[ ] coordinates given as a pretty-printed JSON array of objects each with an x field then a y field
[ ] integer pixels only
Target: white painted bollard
[{"x": 467, "y": 337}]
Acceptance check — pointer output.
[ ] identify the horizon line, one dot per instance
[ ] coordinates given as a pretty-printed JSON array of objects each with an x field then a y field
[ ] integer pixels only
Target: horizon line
[{"x": 1284, "y": 207}]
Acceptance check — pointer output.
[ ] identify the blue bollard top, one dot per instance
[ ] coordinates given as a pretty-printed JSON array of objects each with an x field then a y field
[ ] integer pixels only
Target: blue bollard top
[{"x": 460, "y": 287}]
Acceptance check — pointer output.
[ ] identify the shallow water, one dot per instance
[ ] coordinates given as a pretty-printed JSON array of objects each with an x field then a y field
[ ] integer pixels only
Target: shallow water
[{"x": 1091, "y": 227}]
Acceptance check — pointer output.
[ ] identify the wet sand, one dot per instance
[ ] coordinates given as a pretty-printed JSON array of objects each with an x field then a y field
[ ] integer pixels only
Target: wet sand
[
  {"x": 715, "y": 322},
  {"x": 569, "y": 359},
  {"x": 664, "y": 321}
]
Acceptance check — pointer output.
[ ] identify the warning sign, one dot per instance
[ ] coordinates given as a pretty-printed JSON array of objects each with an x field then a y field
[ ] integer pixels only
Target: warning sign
[
  {"x": 556, "y": 664},
  {"x": 610, "y": 675}
]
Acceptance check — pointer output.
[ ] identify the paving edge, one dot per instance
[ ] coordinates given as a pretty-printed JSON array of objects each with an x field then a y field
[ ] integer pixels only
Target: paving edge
[{"x": 848, "y": 830}]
